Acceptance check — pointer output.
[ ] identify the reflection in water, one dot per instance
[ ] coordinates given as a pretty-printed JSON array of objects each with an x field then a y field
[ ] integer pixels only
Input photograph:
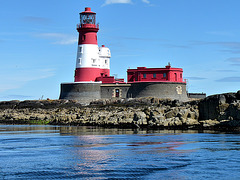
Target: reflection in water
[
  {"x": 62, "y": 152},
  {"x": 88, "y": 157},
  {"x": 91, "y": 130},
  {"x": 87, "y": 130}
]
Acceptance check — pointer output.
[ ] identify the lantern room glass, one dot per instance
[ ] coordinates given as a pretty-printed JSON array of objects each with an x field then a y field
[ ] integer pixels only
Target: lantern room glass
[{"x": 88, "y": 18}]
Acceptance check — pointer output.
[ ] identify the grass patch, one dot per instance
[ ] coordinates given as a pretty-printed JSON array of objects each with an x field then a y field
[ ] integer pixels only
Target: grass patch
[{"x": 39, "y": 122}]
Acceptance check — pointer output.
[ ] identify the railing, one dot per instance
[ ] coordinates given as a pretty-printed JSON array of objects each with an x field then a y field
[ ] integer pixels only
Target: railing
[{"x": 87, "y": 26}]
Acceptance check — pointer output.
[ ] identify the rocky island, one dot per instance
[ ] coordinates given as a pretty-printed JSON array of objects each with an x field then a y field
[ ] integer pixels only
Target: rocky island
[{"x": 218, "y": 112}]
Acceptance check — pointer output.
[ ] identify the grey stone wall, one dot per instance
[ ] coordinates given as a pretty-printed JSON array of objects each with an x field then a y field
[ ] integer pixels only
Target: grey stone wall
[
  {"x": 83, "y": 92},
  {"x": 169, "y": 90},
  {"x": 87, "y": 92}
]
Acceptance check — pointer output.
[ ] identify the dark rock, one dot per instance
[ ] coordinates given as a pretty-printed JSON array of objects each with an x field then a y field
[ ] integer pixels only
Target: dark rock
[
  {"x": 9, "y": 104},
  {"x": 230, "y": 97},
  {"x": 238, "y": 95},
  {"x": 208, "y": 107}
]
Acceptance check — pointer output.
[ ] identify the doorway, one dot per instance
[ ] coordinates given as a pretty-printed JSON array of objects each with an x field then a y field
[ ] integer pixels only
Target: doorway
[{"x": 116, "y": 92}]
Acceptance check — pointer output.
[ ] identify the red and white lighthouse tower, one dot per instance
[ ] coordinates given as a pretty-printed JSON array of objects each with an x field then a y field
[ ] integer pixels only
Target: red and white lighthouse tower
[{"x": 92, "y": 61}]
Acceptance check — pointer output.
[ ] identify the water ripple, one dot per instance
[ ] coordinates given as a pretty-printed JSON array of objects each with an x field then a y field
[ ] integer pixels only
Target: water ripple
[{"x": 55, "y": 152}]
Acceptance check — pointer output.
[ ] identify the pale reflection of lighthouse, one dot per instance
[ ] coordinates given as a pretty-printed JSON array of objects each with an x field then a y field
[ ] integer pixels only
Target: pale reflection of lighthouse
[{"x": 92, "y": 155}]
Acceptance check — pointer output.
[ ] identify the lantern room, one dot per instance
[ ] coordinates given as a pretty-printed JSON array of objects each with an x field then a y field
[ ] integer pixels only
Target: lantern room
[{"x": 87, "y": 17}]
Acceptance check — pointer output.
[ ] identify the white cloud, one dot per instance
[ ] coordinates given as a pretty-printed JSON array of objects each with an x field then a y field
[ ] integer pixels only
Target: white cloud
[
  {"x": 229, "y": 79},
  {"x": 230, "y": 46},
  {"x": 146, "y": 1},
  {"x": 234, "y": 60},
  {"x": 13, "y": 79},
  {"x": 58, "y": 38},
  {"x": 7, "y": 86},
  {"x": 107, "y": 2},
  {"x": 15, "y": 96},
  {"x": 66, "y": 41},
  {"x": 220, "y": 33},
  {"x": 34, "y": 19},
  {"x": 195, "y": 78}
]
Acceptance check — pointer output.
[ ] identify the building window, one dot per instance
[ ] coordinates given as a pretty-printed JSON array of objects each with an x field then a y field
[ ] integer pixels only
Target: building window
[
  {"x": 83, "y": 37},
  {"x": 164, "y": 75},
  {"x": 154, "y": 75},
  {"x": 79, "y": 61},
  {"x": 94, "y": 62},
  {"x": 80, "y": 49},
  {"x": 144, "y": 75}
]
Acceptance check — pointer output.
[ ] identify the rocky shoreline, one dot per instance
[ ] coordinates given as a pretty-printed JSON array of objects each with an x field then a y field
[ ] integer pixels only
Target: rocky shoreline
[{"x": 218, "y": 112}]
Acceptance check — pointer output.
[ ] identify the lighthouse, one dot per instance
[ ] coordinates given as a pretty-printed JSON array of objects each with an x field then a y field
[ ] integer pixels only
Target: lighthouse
[
  {"x": 92, "y": 61},
  {"x": 92, "y": 78}
]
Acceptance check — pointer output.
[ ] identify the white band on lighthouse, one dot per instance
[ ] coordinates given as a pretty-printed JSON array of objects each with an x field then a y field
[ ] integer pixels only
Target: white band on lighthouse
[{"x": 91, "y": 56}]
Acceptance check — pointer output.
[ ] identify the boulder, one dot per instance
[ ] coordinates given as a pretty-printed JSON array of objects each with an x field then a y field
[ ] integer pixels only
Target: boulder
[
  {"x": 238, "y": 95},
  {"x": 212, "y": 106},
  {"x": 209, "y": 123},
  {"x": 172, "y": 113},
  {"x": 191, "y": 122}
]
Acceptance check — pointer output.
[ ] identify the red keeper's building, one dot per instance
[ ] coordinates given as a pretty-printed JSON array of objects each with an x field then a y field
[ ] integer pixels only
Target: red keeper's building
[
  {"x": 167, "y": 74},
  {"x": 143, "y": 74}
]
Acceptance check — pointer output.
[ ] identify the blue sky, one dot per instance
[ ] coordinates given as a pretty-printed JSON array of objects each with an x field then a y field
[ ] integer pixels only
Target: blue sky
[{"x": 38, "y": 42}]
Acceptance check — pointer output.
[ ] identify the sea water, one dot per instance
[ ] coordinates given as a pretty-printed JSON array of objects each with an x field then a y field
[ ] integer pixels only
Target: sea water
[{"x": 62, "y": 152}]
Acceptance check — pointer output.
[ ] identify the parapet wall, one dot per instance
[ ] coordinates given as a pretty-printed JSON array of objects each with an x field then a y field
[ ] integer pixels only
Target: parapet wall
[
  {"x": 87, "y": 92},
  {"x": 82, "y": 92},
  {"x": 170, "y": 90}
]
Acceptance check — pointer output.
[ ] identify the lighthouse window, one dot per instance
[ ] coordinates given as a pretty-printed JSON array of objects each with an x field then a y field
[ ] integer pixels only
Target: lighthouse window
[
  {"x": 79, "y": 61},
  {"x": 80, "y": 49},
  {"x": 83, "y": 37},
  {"x": 93, "y": 61},
  {"x": 106, "y": 61},
  {"x": 144, "y": 75},
  {"x": 154, "y": 75},
  {"x": 164, "y": 75}
]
